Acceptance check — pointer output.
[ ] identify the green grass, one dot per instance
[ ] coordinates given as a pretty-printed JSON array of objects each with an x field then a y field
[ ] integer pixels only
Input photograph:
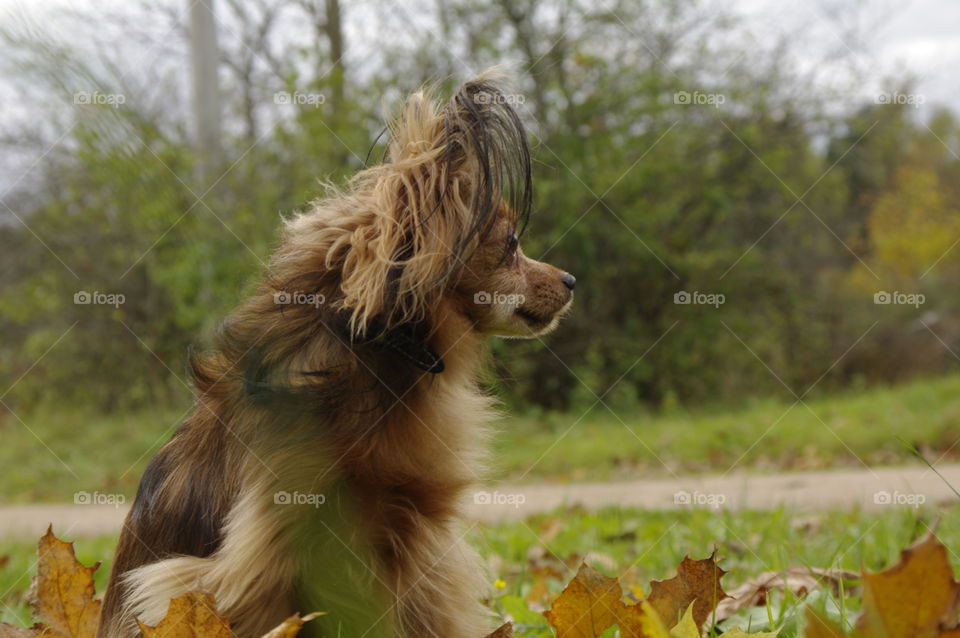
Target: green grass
[
  {"x": 768, "y": 435},
  {"x": 51, "y": 455},
  {"x": 107, "y": 454},
  {"x": 535, "y": 558}
]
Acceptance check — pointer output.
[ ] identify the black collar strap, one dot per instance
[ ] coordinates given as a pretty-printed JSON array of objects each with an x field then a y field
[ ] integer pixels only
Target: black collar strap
[
  {"x": 408, "y": 342},
  {"x": 412, "y": 346}
]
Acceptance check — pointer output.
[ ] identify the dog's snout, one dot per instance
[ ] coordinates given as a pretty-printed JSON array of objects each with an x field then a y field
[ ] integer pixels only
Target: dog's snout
[{"x": 568, "y": 280}]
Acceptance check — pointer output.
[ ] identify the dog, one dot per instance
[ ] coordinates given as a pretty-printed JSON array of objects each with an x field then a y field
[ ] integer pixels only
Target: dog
[{"x": 340, "y": 417}]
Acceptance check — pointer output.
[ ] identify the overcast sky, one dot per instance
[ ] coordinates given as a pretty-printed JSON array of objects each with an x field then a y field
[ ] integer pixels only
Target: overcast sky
[{"x": 918, "y": 36}]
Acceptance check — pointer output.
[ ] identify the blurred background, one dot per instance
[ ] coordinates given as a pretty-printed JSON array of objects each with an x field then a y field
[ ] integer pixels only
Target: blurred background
[{"x": 760, "y": 203}]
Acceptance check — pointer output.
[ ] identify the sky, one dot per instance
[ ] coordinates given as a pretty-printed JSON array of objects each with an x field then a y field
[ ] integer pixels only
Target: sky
[{"x": 921, "y": 37}]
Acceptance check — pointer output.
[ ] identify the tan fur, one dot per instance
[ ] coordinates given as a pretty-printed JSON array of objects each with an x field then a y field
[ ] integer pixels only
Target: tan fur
[{"x": 329, "y": 399}]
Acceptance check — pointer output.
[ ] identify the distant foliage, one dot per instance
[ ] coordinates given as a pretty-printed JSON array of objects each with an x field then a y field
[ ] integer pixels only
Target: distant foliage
[{"x": 667, "y": 162}]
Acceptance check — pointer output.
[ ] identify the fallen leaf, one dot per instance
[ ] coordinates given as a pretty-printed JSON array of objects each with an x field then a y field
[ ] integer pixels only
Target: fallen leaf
[
  {"x": 799, "y": 580},
  {"x": 916, "y": 598},
  {"x": 193, "y": 615},
  {"x": 291, "y": 626},
  {"x": 62, "y": 591},
  {"x": 697, "y": 582},
  {"x": 588, "y": 605}
]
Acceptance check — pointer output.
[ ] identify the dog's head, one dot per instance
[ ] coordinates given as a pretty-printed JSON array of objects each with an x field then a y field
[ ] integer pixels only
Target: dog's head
[{"x": 439, "y": 222}]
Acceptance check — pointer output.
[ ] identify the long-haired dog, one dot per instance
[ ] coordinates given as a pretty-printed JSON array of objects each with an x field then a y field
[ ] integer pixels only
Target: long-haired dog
[{"x": 339, "y": 417}]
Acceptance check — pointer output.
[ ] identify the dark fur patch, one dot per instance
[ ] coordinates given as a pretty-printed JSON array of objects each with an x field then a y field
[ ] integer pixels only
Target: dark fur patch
[
  {"x": 480, "y": 123},
  {"x": 189, "y": 522}
]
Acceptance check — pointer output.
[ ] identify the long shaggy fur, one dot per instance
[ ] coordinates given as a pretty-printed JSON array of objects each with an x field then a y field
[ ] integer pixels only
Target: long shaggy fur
[{"x": 338, "y": 419}]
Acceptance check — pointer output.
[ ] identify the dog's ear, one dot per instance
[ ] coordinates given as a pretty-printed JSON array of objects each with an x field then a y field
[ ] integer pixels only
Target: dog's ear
[{"x": 448, "y": 171}]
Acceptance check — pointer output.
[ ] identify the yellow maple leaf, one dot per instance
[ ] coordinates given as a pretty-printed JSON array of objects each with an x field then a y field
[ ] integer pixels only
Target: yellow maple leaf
[
  {"x": 588, "y": 605},
  {"x": 62, "y": 591},
  {"x": 193, "y": 615},
  {"x": 915, "y": 598}
]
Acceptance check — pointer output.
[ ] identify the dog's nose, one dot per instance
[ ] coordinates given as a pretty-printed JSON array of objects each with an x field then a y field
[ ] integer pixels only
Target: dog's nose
[{"x": 568, "y": 280}]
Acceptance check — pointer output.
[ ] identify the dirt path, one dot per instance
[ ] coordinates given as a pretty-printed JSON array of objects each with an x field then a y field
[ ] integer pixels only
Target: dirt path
[{"x": 870, "y": 489}]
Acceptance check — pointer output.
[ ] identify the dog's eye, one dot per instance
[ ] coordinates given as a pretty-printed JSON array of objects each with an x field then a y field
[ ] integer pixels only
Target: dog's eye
[{"x": 512, "y": 242}]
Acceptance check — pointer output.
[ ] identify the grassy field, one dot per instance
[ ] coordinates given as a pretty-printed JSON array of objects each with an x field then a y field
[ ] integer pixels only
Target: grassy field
[
  {"x": 531, "y": 561},
  {"x": 768, "y": 435},
  {"x": 51, "y": 455}
]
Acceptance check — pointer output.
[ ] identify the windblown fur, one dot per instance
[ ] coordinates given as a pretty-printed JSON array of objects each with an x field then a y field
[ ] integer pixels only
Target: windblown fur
[{"x": 338, "y": 420}]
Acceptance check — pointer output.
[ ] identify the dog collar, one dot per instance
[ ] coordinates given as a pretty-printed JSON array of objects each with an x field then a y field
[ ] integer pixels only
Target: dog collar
[{"x": 412, "y": 346}]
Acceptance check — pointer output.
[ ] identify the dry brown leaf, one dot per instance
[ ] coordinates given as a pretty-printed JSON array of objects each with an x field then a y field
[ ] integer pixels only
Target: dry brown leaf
[
  {"x": 192, "y": 615},
  {"x": 503, "y": 631},
  {"x": 916, "y": 598},
  {"x": 291, "y": 626},
  {"x": 589, "y": 604},
  {"x": 799, "y": 580},
  {"x": 62, "y": 592},
  {"x": 697, "y": 582}
]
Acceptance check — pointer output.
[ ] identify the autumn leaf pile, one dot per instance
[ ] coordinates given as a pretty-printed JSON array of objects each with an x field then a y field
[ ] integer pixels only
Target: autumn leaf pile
[{"x": 916, "y": 598}]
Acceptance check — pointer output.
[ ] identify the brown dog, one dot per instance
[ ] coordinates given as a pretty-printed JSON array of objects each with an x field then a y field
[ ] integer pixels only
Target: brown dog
[{"x": 338, "y": 419}]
